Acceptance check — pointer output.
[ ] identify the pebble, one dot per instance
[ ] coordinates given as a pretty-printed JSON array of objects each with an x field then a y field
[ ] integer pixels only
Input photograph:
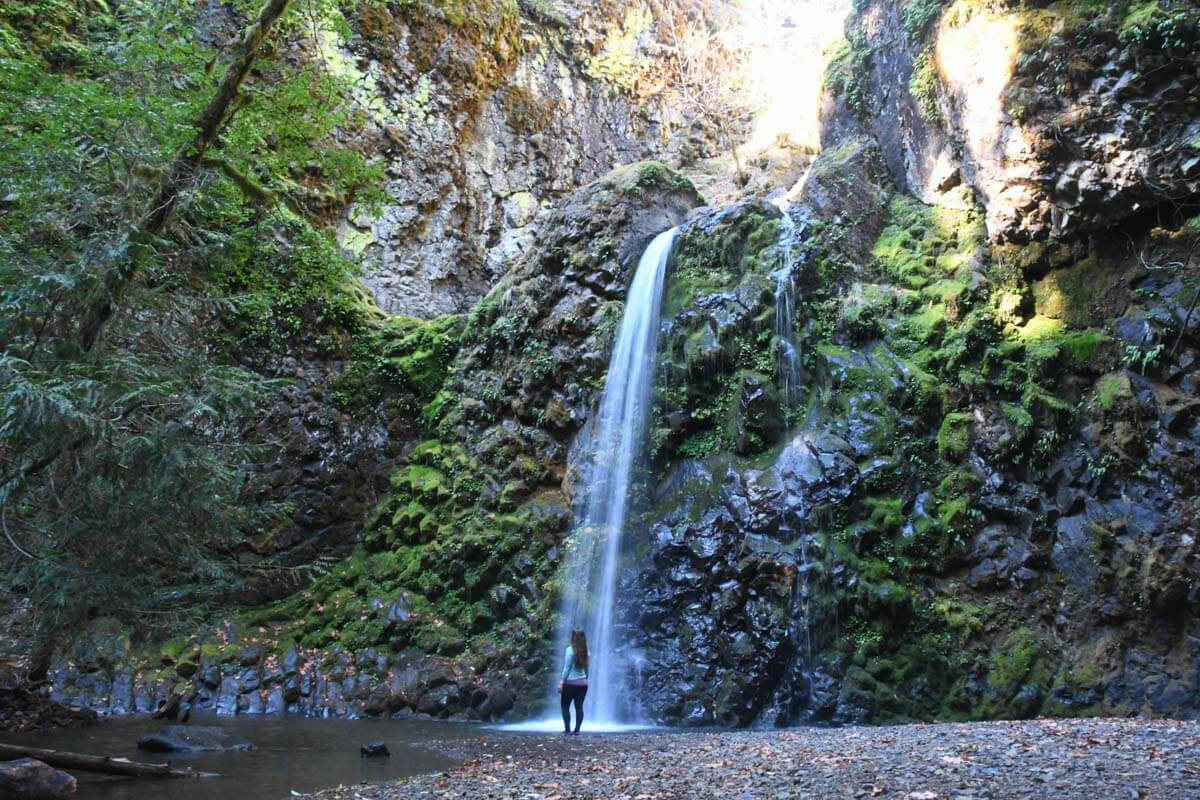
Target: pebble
[{"x": 1088, "y": 759}]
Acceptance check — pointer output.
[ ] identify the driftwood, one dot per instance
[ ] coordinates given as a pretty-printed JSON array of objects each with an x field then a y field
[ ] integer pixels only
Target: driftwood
[
  {"x": 101, "y": 764},
  {"x": 169, "y": 708}
]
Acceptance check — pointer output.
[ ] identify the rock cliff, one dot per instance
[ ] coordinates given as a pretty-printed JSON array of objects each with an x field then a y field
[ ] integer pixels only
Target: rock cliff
[
  {"x": 988, "y": 506},
  {"x": 981, "y": 503}
]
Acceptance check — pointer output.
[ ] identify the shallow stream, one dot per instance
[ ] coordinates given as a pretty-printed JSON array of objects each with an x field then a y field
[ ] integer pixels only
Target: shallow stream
[{"x": 292, "y": 754}]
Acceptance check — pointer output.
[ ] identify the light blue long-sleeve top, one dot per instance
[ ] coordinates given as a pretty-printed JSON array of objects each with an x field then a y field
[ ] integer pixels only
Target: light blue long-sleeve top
[{"x": 571, "y": 671}]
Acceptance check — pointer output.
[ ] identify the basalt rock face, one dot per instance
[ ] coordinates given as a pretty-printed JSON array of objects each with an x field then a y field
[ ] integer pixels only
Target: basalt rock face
[
  {"x": 986, "y": 506},
  {"x": 1063, "y": 120},
  {"x": 484, "y": 114},
  {"x": 328, "y": 462},
  {"x": 726, "y": 598},
  {"x": 482, "y": 121}
]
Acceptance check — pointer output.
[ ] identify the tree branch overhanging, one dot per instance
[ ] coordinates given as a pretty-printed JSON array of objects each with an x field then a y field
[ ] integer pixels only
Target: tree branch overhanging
[{"x": 182, "y": 172}]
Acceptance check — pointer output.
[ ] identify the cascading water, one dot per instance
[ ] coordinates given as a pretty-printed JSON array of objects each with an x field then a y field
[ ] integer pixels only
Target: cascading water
[
  {"x": 786, "y": 354},
  {"x": 589, "y": 570},
  {"x": 788, "y": 363}
]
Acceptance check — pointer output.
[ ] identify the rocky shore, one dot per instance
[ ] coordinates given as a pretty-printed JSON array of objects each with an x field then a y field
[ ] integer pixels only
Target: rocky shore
[
  {"x": 23, "y": 710},
  {"x": 1095, "y": 758}
]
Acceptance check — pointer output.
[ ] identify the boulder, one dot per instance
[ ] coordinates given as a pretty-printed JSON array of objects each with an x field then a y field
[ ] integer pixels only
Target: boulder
[
  {"x": 191, "y": 739},
  {"x": 30, "y": 779},
  {"x": 374, "y": 750}
]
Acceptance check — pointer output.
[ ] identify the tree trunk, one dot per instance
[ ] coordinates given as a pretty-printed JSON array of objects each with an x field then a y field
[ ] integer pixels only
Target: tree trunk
[
  {"x": 100, "y": 764},
  {"x": 181, "y": 174},
  {"x": 40, "y": 660}
]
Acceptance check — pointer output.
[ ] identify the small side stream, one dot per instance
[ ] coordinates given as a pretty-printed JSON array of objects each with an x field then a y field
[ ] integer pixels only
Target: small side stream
[{"x": 292, "y": 754}]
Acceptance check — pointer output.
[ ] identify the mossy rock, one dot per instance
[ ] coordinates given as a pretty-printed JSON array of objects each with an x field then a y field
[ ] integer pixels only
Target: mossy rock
[
  {"x": 1019, "y": 674},
  {"x": 954, "y": 437},
  {"x": 636, "y": 178},
  {"x": 1114, "y": 391}
]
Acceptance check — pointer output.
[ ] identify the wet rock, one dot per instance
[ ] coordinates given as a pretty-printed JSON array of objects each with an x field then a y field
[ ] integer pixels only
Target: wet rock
[
  {"x": 374, "y": 750},
  {"x": 441, "y": 701},
  {"x": 499, "y": 702},
  {"x": 1072, "y": 554},
  {"x": 192, "y": 738},
  {"x": 210, "y": 675},
  {"x": 249, "y": 680},
  {"x": 227, "y": 696},
  {"x": 29, "y": 779}
]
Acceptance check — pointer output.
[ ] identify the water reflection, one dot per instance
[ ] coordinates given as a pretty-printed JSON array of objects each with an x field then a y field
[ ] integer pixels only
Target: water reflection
[{"x": 292, "y": 754}]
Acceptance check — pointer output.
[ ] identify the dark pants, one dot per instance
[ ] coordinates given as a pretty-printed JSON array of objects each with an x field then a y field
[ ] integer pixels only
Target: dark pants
[{"x": 573, "y": 694}]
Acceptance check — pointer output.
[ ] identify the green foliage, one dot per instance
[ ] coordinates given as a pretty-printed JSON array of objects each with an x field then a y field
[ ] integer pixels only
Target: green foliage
[
  {"x": 282, "y": 277},
  {"x": 699, "y": 445},
  {"x": 401, "y": 353},
  {"x": 921, "y": 244},
  {"x": 1161, "y": 25},
  {"x": 924, "y": 84},
  {"x": 953, "y": 437},
  {"x": 707, "y": 369},
  {"x": 916, "y": 15},
  {"x": 1112, "y": 389},
  {"x": 1020, "y": 661},
  {"x": 848, "y": 70},
  {"x": 439, "y": 546},
  {"x": 123, "y": 469},
  {"x": 653, "y": 174},
  {"x": 139, "y": 509}
]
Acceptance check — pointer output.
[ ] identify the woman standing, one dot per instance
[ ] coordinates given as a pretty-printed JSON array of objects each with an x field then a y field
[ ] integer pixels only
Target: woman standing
[{"x": 573, "y": 683}]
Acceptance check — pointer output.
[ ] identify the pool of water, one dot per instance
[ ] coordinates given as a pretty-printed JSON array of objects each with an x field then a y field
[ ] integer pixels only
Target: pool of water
[
  {"x": 292, "y": 754},
  {"x": 554, "y": 724}
]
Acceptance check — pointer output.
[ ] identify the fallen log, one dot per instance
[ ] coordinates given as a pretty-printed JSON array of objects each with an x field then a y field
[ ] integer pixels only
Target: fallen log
[{"x": 101, "y": 764}]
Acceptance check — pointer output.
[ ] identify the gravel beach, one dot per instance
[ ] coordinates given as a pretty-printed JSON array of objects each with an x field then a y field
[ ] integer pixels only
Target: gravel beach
[{"x": 1095, "y": 759}]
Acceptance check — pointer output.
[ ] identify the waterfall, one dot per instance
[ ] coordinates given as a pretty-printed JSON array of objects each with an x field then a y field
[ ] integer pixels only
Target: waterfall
[
  {"x": 589, "y": 570},
  {"x": 787, "y": 360},
  {"x": 786, "y": 355}
]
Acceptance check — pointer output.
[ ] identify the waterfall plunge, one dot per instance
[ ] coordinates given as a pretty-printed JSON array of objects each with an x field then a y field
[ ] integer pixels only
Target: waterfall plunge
[{"x": 589, "y": 568}]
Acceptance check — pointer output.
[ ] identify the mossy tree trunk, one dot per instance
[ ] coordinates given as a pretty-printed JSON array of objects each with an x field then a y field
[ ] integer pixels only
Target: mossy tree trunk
[
  {"x": 176, "y": 180},
  {"x": 182, "y": 172}
]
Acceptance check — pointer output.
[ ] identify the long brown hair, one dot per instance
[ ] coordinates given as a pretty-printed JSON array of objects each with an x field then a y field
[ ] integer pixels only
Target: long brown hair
[{"x": 579, "y": 646}]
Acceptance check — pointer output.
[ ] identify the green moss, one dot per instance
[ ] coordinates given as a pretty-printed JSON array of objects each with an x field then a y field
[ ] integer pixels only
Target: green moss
[
  {"x": 716, "y": 356},
  {"x": 925, "y": 84},
  {"x": 1113, "y": 389},
  {"x": 928, "y": 325},
  {"x": 953, "y": 512},
  {"x": 1160, "y": 24},
  {"x": 400, "y": 353},
  {"x": 967, "y": 619},
  {"x": 653, "y": 175},
  {"x": 849, "y": 65},
  {"x": 916, "y": 16},
  {"x": 921, "y": 244},
  {"x": 1084, "y": 349},
  {"x": 175, "y": 650},
  {"x": 887, "y": 513},
  {"x": 953, "y": 438},
  {"x": 1021, "y": 660}
]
